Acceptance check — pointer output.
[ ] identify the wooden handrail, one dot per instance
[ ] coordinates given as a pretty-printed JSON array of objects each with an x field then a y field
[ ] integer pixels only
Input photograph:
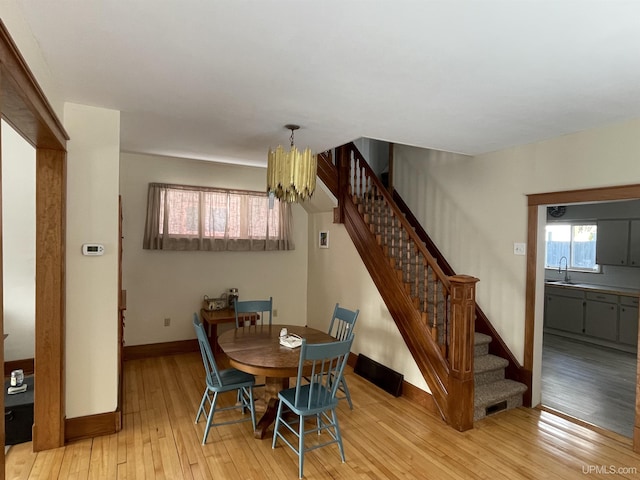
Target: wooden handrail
[
  {"x": 328, "y": 172},
  {"x": 382, "y": 191},
  {"x": 419, "y": 270}
]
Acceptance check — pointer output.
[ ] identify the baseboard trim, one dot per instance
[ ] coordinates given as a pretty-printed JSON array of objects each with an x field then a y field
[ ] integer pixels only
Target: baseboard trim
[
  {"x": 26, "y": 364},
  {"x": 381, "y": 375},
  {"x": 411, "y": 392},
  {"x": 92, "y": 426},
  {"x": 422, "y": 398},
  {"x": 136, "y": 352},
  {"x": 352, "y": 359}
]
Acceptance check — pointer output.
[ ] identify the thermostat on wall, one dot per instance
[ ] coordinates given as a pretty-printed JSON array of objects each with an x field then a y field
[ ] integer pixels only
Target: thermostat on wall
[{"x": 92, "y": 249}]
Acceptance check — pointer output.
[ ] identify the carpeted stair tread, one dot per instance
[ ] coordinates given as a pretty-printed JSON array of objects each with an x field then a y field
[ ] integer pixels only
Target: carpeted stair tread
[
  {"x": 485, "y": 363},
  {"x": 481, "y": 338},
  {"x": 486, "y": 395},
  {"x": 480, "y": 344}
]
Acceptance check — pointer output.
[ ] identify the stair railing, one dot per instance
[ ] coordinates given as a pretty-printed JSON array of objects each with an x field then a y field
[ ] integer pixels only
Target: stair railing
[
  {"x": 446, "y": 304},
  {"x": 417, "y": 267},
  {"x": 498, "y": 347}
]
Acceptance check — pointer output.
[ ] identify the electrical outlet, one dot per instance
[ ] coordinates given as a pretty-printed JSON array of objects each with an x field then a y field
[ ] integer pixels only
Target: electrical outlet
[
  {"x": 167, "y": 322},
  {"x": 275, "y": 312}
]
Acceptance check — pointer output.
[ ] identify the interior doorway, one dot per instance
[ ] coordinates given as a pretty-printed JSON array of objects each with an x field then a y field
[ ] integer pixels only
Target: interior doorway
[
  {"x": 24, "y": 106},
  {"x": 534, "y": 312},
  {"x": 589, "y": 342},
  {"x": 19, "y": 265}
]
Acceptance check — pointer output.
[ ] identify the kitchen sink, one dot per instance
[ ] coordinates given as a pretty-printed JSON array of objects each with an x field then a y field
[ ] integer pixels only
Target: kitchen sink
[{"x": 562, "y": 283}]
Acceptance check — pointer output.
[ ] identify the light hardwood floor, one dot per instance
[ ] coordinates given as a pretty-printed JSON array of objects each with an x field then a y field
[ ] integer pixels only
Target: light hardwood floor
[
  {"x": 384, "y": 438},
  {"x": 595, "y": 384}
]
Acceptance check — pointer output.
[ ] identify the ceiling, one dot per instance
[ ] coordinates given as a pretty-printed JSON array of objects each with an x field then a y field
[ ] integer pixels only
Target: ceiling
[{"x": 219, "y": 79}]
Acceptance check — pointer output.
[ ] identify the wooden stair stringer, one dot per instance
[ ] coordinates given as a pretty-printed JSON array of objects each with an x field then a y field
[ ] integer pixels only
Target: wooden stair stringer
[{"x": 415, "y": 333}]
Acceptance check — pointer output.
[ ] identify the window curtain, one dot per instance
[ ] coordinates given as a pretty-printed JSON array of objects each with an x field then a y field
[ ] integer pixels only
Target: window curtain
[{"x": 187, "y": 218}]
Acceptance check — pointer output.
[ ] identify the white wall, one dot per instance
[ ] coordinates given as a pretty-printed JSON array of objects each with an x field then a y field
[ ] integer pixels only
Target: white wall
[
  {"x": 168, "y": 284},
  {"x": 338, "y": 275},
  {"x": 18, "y": 244},
  {"x": 92, "y": 282},
  {"x": 476, "y": 208}
]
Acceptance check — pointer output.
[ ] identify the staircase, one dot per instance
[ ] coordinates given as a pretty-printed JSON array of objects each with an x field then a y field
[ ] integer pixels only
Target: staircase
[
  {"x": 493, "y": 392},
  {"x": 435, "y": 311}
]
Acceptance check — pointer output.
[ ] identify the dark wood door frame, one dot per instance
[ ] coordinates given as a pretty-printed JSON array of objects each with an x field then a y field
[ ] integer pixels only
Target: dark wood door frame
[
  {"x": 25, "y": 107},
  {"x": 623, "y": 192}
]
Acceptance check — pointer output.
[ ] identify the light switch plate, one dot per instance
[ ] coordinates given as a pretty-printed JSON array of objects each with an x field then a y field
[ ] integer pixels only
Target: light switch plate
[{"x": 519, "y": 248}]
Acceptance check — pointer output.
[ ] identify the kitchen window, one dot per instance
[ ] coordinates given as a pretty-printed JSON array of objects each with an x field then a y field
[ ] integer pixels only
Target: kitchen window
[
  {"x": 181, "y": 217},
  {"x": 575, "y": 242}
]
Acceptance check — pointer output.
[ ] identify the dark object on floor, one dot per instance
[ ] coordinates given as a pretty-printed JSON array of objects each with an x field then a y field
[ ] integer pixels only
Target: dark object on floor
[
  {"x": 18, "y": 413},
  {"x": 385, "y": 378}
]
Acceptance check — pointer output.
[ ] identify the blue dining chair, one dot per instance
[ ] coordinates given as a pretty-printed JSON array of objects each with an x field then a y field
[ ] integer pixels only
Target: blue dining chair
[
  {"x": 319, "y": 362},
  {"x": 220, "y": 381},
  {"x": 259, "y": 309},
  {"x": 342, "y": 326}
]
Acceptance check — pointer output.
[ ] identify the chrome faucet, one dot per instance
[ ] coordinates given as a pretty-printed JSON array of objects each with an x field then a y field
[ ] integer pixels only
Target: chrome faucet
[{"x": 566, "y": 268}]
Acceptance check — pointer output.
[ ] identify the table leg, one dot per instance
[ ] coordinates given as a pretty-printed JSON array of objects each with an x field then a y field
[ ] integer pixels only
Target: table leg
[
  {"x": 213, "y": 338},
  {"x": 273, "y": 385}
]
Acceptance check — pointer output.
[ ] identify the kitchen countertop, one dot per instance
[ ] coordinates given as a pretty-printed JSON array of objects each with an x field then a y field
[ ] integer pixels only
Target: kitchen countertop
[{"x": 624, "y": 291}]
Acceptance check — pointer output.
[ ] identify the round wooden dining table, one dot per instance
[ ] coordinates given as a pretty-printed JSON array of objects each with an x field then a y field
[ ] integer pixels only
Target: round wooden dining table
[{"x": 256, "y": 349}]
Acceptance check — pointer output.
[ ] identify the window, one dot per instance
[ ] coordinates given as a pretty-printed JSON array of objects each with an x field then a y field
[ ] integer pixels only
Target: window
[
  {"x": 182, "y": 217},
  {"x": 575, "y": 242}
]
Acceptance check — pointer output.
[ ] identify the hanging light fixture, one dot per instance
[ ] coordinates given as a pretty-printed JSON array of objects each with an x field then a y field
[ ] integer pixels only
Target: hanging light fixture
[{"x": 291, "y": 176}]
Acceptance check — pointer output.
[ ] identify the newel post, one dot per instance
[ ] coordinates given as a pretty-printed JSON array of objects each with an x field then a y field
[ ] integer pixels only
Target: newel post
[{"x": 463, "y": 315}]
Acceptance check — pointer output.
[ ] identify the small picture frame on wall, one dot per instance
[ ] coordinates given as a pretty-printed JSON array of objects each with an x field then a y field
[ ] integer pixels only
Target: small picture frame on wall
[{"x": 323, "y": 240}]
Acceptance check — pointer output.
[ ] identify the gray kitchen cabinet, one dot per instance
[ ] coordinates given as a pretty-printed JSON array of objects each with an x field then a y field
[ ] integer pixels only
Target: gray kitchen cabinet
[
  {"x": 628, "y": 323},
  {"x": 564, "y": 311},
  {"x": 612, "y": 246},
  {"x": 592, "y": 315},
  {"x": 601, "y": 316},
  {"x": 634, "y": 243}
]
